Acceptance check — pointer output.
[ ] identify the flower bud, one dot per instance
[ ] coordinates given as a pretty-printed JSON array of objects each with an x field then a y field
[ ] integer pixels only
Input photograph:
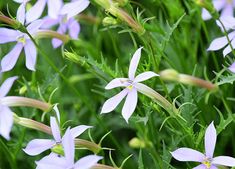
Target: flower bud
[
  {"x": 137, "y": 143},
  {"x": 109, "y": 21}
]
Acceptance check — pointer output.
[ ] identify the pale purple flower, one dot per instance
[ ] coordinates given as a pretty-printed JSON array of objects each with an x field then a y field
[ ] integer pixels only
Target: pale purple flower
[
  {"x": 54, "y": 161},
  {"x": 221, "y": 42},
  {"x": 35, "y": 12},
  {"x": 225, "y": 6},
  {"x": 37, "y": 146},
  {"x": 6, "y": 115},
  {"x": 23, "y": 42},
  {"x": 65, "y": 25},
  {"x": 207, "y": 160},
  {"x": 75, "y": 7},
  {"x": 131, "y": 85}
]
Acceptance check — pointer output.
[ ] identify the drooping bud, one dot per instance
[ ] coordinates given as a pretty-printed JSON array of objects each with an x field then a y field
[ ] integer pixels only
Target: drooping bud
[{"x": 137, "y": 143}]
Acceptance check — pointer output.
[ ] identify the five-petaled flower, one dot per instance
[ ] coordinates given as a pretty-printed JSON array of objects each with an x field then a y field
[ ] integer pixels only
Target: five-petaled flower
[
  {"x": 207, "y": 160},
  {"x": 53, "y": 161},
  {"x": 131, "y": 85},
  {"x": 225, "y": 6},
  {"x": 6, "y": 115},
  {"x": 23, "y": 41},
  {"x": 37, "y": 146}
]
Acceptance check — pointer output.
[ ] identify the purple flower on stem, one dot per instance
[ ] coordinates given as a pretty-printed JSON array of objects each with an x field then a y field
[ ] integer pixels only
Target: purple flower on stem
[
  {"x": 225, "y": 6},
  {"x": 131, "y": 85},
  {"x": 207, "y": 160},
  {"x": 75, "y": 7},
  {"x": 65, "y": 25},
  {"x": 23, "y": 41},
  {"x": 35, "y": 12},
  {"x": 37, "y": 146},
  {"x": 54, "y": 161},
  {"x": 6, "y": 115}
]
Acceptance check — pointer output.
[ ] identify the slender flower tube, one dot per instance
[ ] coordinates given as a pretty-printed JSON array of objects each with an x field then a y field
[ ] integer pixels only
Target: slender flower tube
[
  {"x": 207, "y": 160},
  {"x": 173, "y": 75},
  {"x": 131, "y": 86},
  {"x": 13, "y": 101}
]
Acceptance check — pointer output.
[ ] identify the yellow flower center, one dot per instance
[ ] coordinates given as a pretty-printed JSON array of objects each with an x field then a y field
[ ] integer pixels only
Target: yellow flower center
[
  {"x": 22, "y": 40},
  {"x": 207, "y": 163},
  {"x": 130, "y": 87},
  {"x": 229, "y": 1}
]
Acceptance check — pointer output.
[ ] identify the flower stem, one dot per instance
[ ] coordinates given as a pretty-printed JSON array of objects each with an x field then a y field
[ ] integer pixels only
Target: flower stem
[{"x": 101, "y": 166}]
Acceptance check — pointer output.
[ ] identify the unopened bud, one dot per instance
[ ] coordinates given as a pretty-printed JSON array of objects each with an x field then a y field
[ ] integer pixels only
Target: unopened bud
[
  {"x": 109, "y": 21},
  {"x": 137, "y": 143}
]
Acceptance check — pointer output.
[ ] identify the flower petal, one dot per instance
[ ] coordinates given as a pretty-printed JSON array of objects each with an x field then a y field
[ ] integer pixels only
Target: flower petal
[
  {"x": 30, "y": 54},
  {"x": 55, "y": 108},
  {"x": 228, "y": 22},
  {"x": 218, "y": 4},
  {"x": 74, "y": 29},
  {"x": 8, "y": 35},
  {"x": 118, "y": 82},
  {"x": 74, "y": 8},
  {"x": 54, "y": 7},
  {"x": 9, "y": 61},
  {"x": 112, "y": 103},
  {"x": 188, "y": 154},
  {"x": 6, "y": 121},
  {"x": 34, "y": 26},
  {"x": 55, "y": 129},
  {"x": 37, "y": 146},
  {"x": 232, "y": 68},
  {"x": 210, "y": 140},
  {"x": 6, "y": 86},
  {"x": 130, "y": 104},
  {"x": 76, "y": 131},
  {"x": 20, "y": 16},
  {"x": 205, "y": 14},
  {"x": 201, "y": 166},
  {"x": 228, "y": 49},
  {"x": 227, "y": 11},
  {"x": 49, "y": 22},
  {"x": 87, "y": 162},
  {"x": 69, "y": 145},
  {"x": 145, "y": 76},
  {"x": 224, "y": 160},
  {"x": 134, "y": 63},
  {"x": 218, "y": 43},
  {"x": 52, "y": 161},
  {"x": 36, "y": 11}
]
